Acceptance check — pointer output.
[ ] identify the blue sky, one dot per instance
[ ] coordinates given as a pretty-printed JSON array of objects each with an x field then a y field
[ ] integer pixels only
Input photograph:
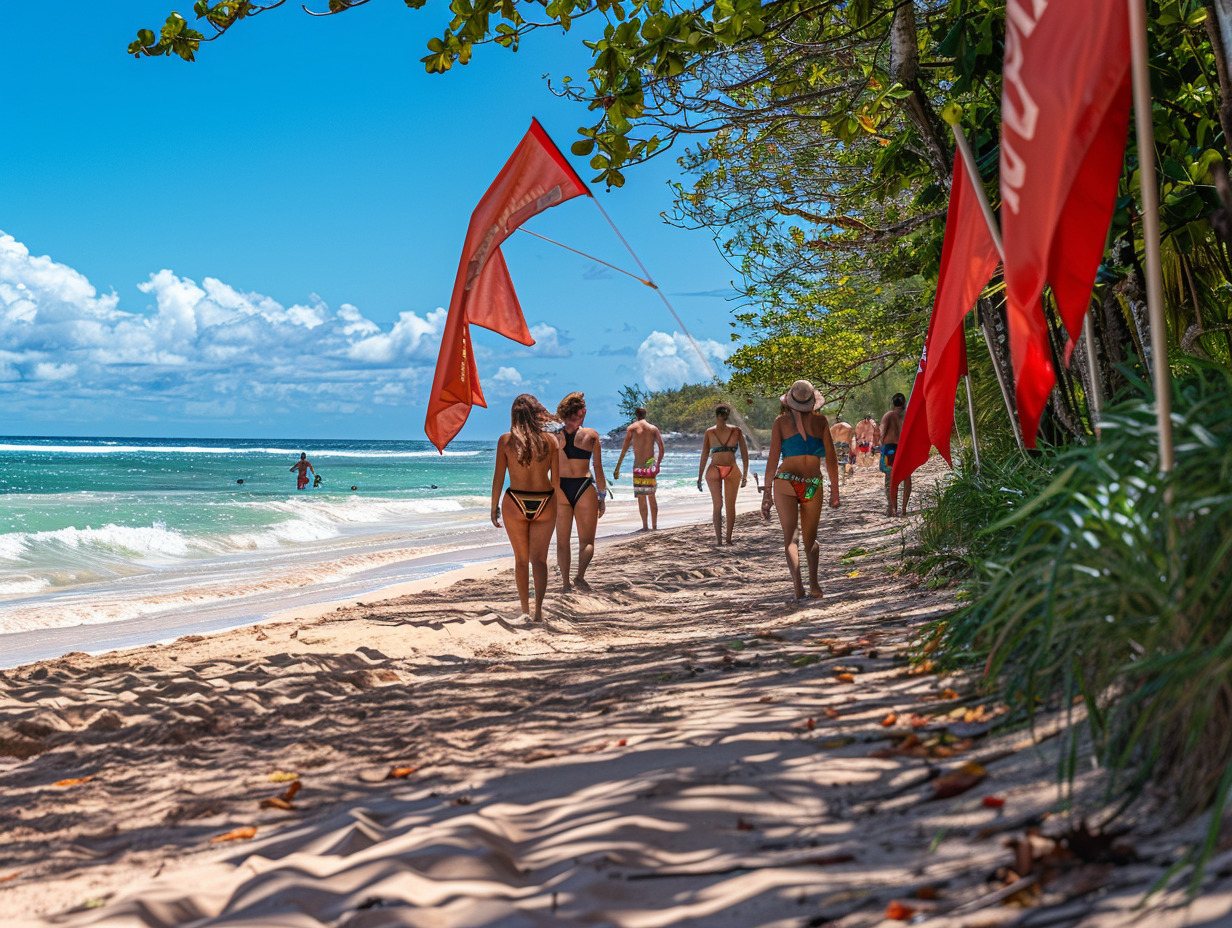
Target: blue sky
[{"x": 258, "y": 243}]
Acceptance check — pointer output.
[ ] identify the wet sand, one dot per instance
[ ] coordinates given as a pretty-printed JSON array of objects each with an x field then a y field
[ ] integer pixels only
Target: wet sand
[{"x": 682, "y": 746}]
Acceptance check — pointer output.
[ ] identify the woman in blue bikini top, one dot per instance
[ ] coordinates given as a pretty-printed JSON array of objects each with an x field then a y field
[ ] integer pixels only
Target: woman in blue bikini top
[{"x": 798, "y": 442}]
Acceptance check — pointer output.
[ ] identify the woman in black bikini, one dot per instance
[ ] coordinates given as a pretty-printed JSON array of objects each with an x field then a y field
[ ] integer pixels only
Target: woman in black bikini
[
  {"x": 724, "y": 478},
  {"x": 528, "y": 453},
  {"x": 577, "y": 496},
  {"x": 799, "y": 441}
]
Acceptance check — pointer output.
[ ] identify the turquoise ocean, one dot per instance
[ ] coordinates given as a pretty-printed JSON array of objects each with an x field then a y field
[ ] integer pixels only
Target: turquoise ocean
[{"x": 103, "y": 530}]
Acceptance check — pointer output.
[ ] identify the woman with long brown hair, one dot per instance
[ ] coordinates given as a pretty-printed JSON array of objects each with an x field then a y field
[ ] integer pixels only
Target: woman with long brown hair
[
  {"x": 724, "y": 477},
  {"x": 799, "y": 440},
  {"x": 581, "y": 495},
  {"x": 528, "y": 454}
]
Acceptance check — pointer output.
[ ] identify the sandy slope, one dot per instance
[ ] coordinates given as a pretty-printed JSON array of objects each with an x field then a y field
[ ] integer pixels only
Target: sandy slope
[{"x": 646, "y": 758}]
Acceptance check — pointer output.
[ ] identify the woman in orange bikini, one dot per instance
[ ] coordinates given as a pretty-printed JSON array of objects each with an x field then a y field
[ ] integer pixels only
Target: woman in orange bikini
[
  {"x": 798, "y": 441},
  {"x": 724, "y": 478},
  {"x": 528, "y": 454}
]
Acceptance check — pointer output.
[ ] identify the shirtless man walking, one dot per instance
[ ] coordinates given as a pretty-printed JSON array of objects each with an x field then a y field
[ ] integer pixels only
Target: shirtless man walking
[
  {"x": 647, "y": 457},
  {"x": 844, "y": 435},
  {"x": 891, "y": 427},
  {"x": 864, "y": 439},
  {"x": 303, "y": 465}
]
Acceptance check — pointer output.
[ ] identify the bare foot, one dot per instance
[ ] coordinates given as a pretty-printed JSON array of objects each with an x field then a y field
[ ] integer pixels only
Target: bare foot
[
  {"x": 815, "y": 592},
  {"x": 643, "y": 529},
  {"x": 566, "y": 586},
  {"x": 891, "y": 512},
  {"x": 581, "y": 584}
]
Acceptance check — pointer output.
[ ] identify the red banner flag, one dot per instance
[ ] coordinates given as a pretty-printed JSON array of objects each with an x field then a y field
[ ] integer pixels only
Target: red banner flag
[
  {"x": 968, "y": 259},
  {"x": 1065, "y": 103},
  {"x": 536, "y": 177}
]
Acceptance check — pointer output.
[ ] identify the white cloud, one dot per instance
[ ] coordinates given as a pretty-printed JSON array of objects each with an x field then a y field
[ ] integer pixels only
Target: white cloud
[
  {"x": 507, "y": 376},
  {"x": 549, "y": 342},
  {"x": 206, "y": 350},
  {"x": 670, "y": 360}
]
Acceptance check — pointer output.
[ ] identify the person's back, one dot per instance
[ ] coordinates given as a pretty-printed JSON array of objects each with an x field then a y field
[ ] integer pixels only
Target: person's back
[
  {"x": 647, "y": 444},
  {"x": 844, "y": 435},
  {"x": 891, "y": 428}
]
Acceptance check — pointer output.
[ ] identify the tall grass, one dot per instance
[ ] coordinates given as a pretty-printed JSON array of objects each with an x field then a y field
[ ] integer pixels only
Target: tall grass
[{"x": 1093, "y": 575}]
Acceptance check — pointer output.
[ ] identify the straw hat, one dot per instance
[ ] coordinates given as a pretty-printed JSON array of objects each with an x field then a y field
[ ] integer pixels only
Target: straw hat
[{"x": 803, "y": 397}]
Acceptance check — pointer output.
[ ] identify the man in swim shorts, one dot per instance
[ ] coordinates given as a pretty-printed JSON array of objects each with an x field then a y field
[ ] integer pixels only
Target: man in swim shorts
[
  {"x": 843, "y": 433},
  {"x": 891, "y": 428},
  {"x": 864, "y": 439},
  {"x": 648, "y": 450},
  {"x": 303, "y": 465}
]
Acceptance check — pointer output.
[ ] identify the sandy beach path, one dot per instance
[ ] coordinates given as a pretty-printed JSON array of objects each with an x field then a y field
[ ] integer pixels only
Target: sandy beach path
[{"x": 681, "y": 746}]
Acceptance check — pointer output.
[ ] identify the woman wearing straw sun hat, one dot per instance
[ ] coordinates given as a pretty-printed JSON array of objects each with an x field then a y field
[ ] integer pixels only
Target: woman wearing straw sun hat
[{"x": 799, "y": 440}]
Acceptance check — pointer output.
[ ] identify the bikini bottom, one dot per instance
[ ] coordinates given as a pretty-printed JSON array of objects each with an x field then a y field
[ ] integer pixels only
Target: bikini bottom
[
  {"x": 574, "y": 487},
  {"x": 806, "y": 487},
  {"x": 530, "y": 503},
  {"x": 723, "y": 469}
]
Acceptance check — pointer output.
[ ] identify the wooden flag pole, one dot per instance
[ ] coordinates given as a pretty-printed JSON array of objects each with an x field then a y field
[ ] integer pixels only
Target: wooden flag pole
[
  {"x": 977, "y": 182},
  {"x": 1145, "y": 125},
  {"x": 975, "y": 441},
  {"x": 1096, "y": 399}
]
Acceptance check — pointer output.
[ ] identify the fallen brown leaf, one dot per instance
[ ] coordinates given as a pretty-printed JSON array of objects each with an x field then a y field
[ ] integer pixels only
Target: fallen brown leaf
[
  {"x": 958, "y": 781},
  {"x": 810, "y": 724},
  {"x": 742, "y": 825},
  {"x": 926, "y": 892},
  {"x": 291, "y": 791},
  {"x": 947, "y": 694},
  {"x": 461, "y": 801},
  {"x": 832, "y": 713},
  {"x": 9, "y": 877},
  {"x": 236, "y": 834},
  {"x": 889, "y": 720},
  {"x": 400, "y": 773},
  {"x": 282, "y": 776},
  {"x": 766, "y": 699},
  {"x": 276, "y": 803},
  {"x": 845, "y": 678},
  {"x": 75, "y": 781}
]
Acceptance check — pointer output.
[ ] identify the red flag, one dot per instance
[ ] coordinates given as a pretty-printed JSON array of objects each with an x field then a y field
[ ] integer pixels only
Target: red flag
[
  {"x": 1064, "y": 120},
  {"x": 535, "y": 177},
  {"x": 968, "y": 259}
]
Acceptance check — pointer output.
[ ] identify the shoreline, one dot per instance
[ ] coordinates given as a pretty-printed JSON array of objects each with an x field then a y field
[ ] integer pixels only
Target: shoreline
[{"x": 439, "y": 565}]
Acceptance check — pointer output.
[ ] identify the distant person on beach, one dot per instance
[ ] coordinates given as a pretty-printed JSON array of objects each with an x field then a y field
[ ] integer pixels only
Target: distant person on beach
[
  {"x": 647, "y": 442},
  {"x": 891, "y": 428},
  {"x": 864, "y": 439},
  {"x": 844, "y": 436},
  {"x": 581, "y": 495},
  {"x": 529, "y": 455},
  {"x": 723, "y": 477},
  {"x": 799, "y": 440},
  {"x": 303, "y": 465}
]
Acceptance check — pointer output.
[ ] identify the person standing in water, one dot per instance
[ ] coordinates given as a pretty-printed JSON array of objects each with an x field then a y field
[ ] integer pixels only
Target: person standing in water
[
  {"x": 799, "y": 440},
  {"x": 303, "y": 465},
  {"x": 723, "y": 477},
  {"x": 648, "y": 449},
  {"x": 528, "y": 455},
  {"x": 580, "y": 495},
  {"x": 891, "y": 428}
]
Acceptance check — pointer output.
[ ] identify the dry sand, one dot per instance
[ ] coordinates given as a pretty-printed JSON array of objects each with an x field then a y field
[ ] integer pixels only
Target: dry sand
[{"x": 683, "y": 746}]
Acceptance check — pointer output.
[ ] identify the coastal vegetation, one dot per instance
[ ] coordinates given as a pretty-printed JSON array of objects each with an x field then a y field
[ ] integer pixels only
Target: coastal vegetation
[{"x": 813, "y": 147}]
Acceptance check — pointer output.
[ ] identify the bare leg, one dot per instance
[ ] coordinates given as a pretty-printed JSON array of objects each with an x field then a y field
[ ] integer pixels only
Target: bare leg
[
  {"x": 891, "y": 498},
  {"x": 810, "y": 516},
  {"x": 715, "y": 483},
  {"x": 731, "y": 486},
  {"x": 788, "y": 507},
  {"x": 587, "y": 513},
  {"x": 518, "y": 530},
  {"x": 643, "y": 508},
  {"x": 654, "y": 512},
  {"x": 906, "y": 494},
  {"x": 540, "y": 539},
  {"x": 564, "y": 538}
]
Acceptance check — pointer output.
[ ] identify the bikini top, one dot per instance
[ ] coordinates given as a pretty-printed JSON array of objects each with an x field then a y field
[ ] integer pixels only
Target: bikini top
[
  {"x": 572, "y": 451},
  {"x": 803, "y": 445},
  {"x": 720, "y": 449}
]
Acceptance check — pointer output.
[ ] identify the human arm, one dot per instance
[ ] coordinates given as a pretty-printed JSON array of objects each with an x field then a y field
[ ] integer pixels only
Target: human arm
[
  {"x": 831, "y": 463},
  {"x": 498, "y": 477},
  {"x": 624, "y": 449},
  {"x": 662, "y": 449},
  {"x": 600, "y": 479},
  {"x": 744, "y": 454},
  {"x": 701, "y": 467},
  {"x": 772, "y": 466}
]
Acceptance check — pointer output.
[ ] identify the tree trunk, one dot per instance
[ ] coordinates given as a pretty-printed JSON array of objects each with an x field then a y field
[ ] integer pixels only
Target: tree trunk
[
  {"x": 905, "y": 69},
  {"x": 1219, "y": 31}
]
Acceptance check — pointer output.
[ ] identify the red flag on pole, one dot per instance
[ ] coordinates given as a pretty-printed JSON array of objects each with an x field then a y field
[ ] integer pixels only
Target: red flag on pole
[
  {"x": 536, "y": 177},
  {"x": 1065, "y": 103},
  {"x": 968, "y": 259}
]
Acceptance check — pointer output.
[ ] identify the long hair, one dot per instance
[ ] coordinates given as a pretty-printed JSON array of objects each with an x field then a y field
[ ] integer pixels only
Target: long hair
[
  {"x": 527, "y": 417},
  {"x": 571, "y": 405}
]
